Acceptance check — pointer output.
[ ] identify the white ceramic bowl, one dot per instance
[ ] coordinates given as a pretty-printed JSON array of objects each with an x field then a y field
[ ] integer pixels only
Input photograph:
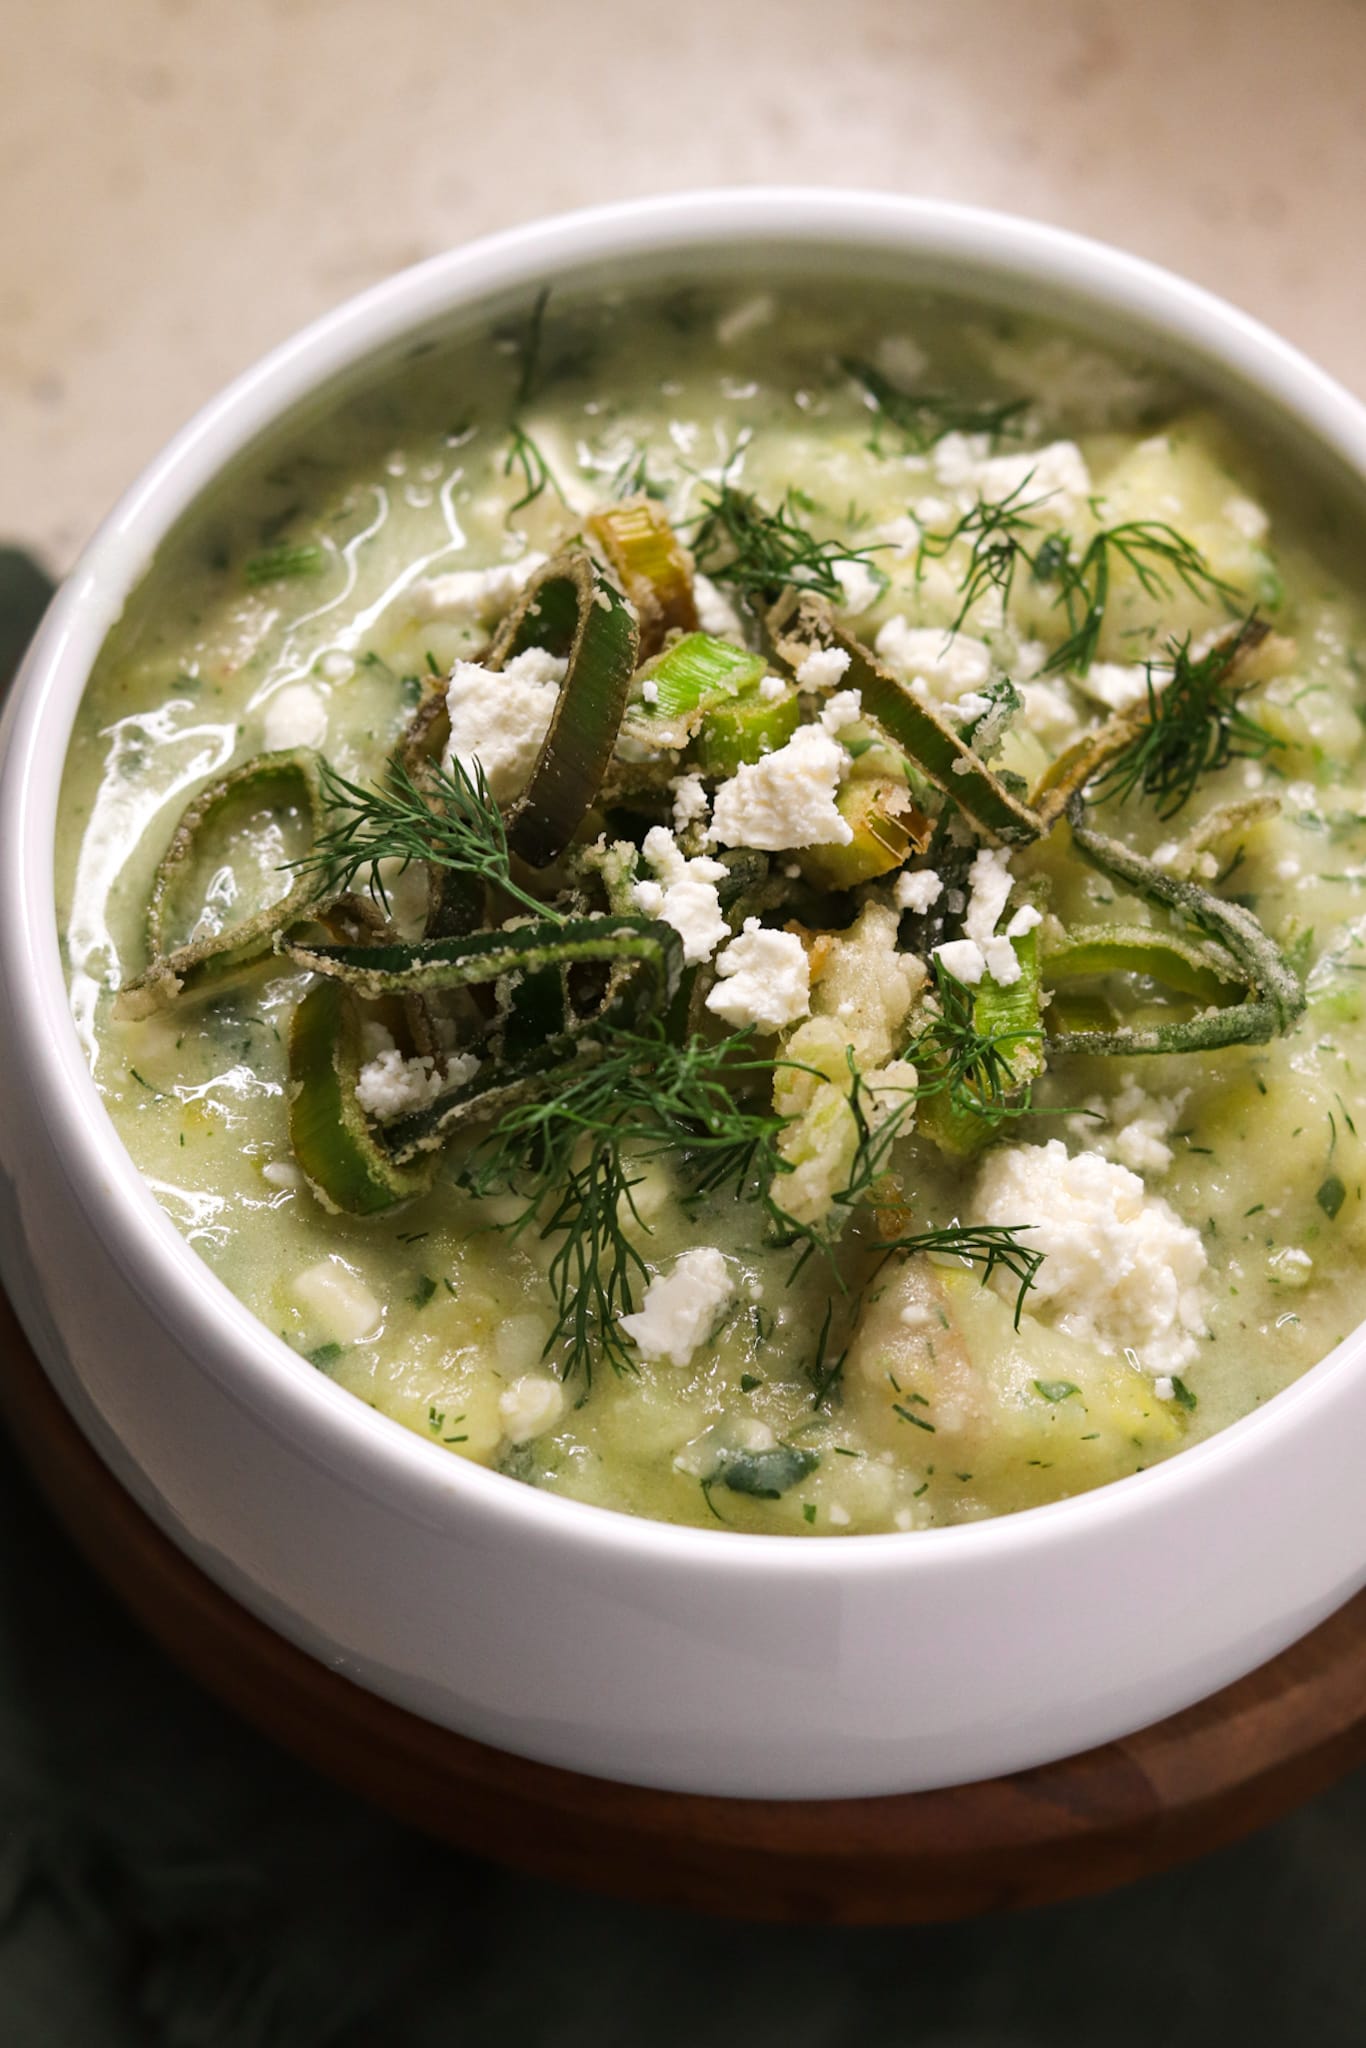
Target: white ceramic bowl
[{"x": 688, "y": 1658}]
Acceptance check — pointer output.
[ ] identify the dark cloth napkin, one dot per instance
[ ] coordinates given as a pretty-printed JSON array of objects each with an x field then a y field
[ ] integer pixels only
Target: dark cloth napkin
[{"x": 168, "y": 1880}]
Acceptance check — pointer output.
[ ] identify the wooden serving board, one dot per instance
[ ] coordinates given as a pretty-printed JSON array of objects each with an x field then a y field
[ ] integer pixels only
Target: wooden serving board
[{"x": 1188, "y": 1785}]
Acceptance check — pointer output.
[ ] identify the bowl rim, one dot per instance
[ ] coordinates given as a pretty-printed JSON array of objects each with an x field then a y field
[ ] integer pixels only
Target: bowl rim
[{"x": 252, "y": 1366}]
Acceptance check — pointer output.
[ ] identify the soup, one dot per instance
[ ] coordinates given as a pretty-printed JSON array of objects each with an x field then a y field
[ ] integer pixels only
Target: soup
[{"x": 748, "y": 911}]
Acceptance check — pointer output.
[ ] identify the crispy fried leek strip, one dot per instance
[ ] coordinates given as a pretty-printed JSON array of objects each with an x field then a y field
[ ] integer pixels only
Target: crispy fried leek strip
[
  {"x": 1275, "y": 993},
  {"x": 798, "y": 623},
  {"x": 572, "y": 610},
  {"x": 199, "y": 966},
  {"x": 1205, "y": 972},
  {"x": 346, "y": 1164},
  {"x": 639, "y": 963},
  {"x": 655, "y": 573}
]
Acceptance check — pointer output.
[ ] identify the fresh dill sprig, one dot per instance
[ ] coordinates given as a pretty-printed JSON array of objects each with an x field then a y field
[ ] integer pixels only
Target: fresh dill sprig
[
  {"x": 1000, "y": 535},
  {"x": 924, "y": 417},
  {"x": 525, "y": 455},
  {"x": 1154, "y": 551},
  {"x": 287, "y": 559},
  {"x": 1194, "y": 726},
  {"x": 993, "y": 1246},
  {"x": 528, "y": 345},
  {"x": 453, "y": 823},
  {"x": 974, "y": 1068},
  {"x": 995, "y": 530},
  {"x": 759, "y": 553},
  {"x": 575, "y": 1159},
  {"x": 631, "y": 478}
]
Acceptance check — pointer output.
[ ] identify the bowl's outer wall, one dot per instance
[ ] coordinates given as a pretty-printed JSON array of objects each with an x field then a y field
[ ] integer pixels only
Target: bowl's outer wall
[{"x": 688, "y": 1659}]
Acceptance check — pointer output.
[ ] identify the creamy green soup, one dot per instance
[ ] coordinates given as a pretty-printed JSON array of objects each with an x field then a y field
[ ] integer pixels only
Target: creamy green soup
[{"x": 749, "y": 909}]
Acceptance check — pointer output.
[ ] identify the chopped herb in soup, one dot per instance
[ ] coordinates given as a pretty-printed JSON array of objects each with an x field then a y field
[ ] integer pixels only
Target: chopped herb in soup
[{"x": 748, "y": 909}]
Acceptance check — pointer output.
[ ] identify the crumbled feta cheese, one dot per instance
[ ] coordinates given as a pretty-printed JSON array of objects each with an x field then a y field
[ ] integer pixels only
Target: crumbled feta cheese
[
  {"x": 1290, "y": 1267},
  {"x": 956, "y": 459},
  {"x": 501, "y": 720},
  {"x": 1120, "y": 1268},
  {"x": 844, "y": 708},
  {"x": 919, "y": 890},
  {"x": 1118, "y": 685},
  {"x": 684, "y": 895},
  {"x": 1024, "y": 920},
  {"x": 715, "y": 612},
  {"x": 963, "y": 959},
  {"x": 389, "y": 1085},
  {"x": 691, "y": 803},
  {"x": 902, "y": 534},
  {"x": 295, "y": 717},
  {"x": 649, "y": 690},
  {"x": 682, "y": 1309},
  {"x": 771, "y": 688},
  {"x": 282, "y": 1173},
  {"x": 1053, "y": 481},
  {"x": 975, "y": 704},
  {"x": 471, "y": 597},
  {"x": 945, "y": 664},
  {"x": 822, "y": 668},
  {"x": 840, "y": 1517},
  {"x": 530, "y": 1406},
  {"x": 337, "y": 666},
  {"x": 787, "y": 798},
  {"x": 764, "y": 979},
  {"x": 1164, "y": 1387},
  {"x": 337, "y": 1300},
  {"x": 1131, "y": 1126},
  {"x": 860, "y": 585},
  {"x": 1246, "y": 517}
]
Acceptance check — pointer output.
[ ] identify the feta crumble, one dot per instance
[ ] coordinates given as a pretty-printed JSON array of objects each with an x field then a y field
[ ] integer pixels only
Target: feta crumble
[
  {"x": 945, "y": 664},
  {"x": 692, "y": 805},
  {"x": 860, "y": 585},
  {"x": 822, "y": 668},
  {"x": 981, "y": 949},
  {"x": 295, "y": 717},
  {"x": 1132, "y": 1127},
  {"x": 530, "y": 1406},
  {"x": 764, "y": 979},
  {"x": 389, "y": 1085},
  {"x": 1053, "y": 481},
  {"x": 472, "y": 597},
  {"x": 501, "y": 719},
  {"x": 715, "y": 612},
  {"x": 919, "y": 890},
  {"x": 844, "y": 708},
  {"x": 787, "y": 798},
  {"x": 1120, "y": 1268},
  {"x": 683, "y": 895},
  {"x": 682, "y": 1309}
]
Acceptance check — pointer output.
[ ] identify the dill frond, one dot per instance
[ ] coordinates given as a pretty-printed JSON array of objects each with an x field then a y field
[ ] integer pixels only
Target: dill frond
[
  {"x": 537, "y": 475},
  {"x": 759, "y": 553},
  {"x": 1194, "y": 726},
  {"x": 1154, "y": 551},
  {"x": 574, "y": 1159},
  {"x": 974, "y": 1068},
  {"x": 452, "y": 824},
  {"x": 924, "y": 417}
]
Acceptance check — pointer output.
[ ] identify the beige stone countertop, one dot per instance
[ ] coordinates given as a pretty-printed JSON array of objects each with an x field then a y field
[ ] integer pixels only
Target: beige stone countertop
[{"x": 186, "y": 180}]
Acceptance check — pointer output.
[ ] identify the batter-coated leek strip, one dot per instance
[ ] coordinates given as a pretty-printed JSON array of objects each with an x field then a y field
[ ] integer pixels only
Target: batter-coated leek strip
[
  {"x": 572, "y": 610},
  {"x": 639, "y": 950},
  {"x": 800, "y": 622},
  {"x": 1276, "y": 998},
  {"x": 1206, "y": 972},
  {"x": 348, "y": 1167},
  {"x": 655, "y": 572},
  {"x": 202, "y": 965}
]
